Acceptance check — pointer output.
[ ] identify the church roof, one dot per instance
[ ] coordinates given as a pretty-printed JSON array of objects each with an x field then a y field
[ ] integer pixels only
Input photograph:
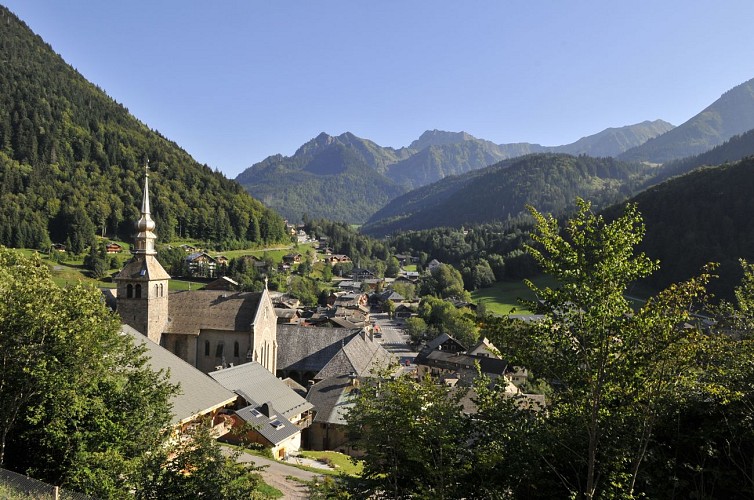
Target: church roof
[
  {"x": 192, "y": 311},
  {"x": 143, "y": 269},
  {"x": 253, "y": 382},
  {"x": 198, "y": 393}
]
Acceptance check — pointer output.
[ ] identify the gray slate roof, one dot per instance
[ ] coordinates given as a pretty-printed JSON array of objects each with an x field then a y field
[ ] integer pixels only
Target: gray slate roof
[
  {"x": 360, "y": 356},
  {"x": 309, "y": 349},
  {"x": 192, "y": 311},
  {"x": 253, "y": 382},
  {"x": 263, "y": 424},
  {"x": 331, "y": 398},
  {"x": 198, "y": 393}
]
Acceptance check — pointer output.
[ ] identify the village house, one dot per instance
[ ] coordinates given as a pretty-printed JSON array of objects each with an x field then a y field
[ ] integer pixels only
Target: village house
[
  {"x": 315, "y": 353},
  {"x": 277, "y": 414},
  {"x": 113, "y": 247},
  {"x": 200, "y": 264},
  {"x": 331, "y": 397}
]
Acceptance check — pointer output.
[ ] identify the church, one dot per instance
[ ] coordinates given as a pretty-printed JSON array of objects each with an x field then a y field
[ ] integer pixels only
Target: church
[{"x": 209, "y": 329}]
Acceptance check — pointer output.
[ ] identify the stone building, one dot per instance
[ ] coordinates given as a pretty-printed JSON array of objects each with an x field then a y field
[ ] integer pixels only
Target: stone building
[{"x": 206, "y": 328}]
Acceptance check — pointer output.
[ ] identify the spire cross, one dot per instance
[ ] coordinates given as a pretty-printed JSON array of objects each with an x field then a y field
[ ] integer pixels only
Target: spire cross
[{"x": 146, "y": 168}]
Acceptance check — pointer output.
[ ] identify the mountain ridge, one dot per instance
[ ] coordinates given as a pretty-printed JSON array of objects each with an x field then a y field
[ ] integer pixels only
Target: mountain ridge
[{"x": 435, "y": 155}]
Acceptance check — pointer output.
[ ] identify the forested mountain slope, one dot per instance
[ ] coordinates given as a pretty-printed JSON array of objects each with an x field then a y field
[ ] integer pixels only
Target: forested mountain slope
[
  {"x": 334, "y": 183},
  {"x": 433, "y": 156},
  {"x": 731, "y": 114},
  {"x": 72, "y": 162},
  {"x": 736, "y": 148},
  {"x": 550, "y": 182},
  {"x": 704, "y": 216}
]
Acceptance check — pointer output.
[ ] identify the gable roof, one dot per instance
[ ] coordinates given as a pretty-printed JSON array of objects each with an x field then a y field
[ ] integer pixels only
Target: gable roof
[
  {"x": 274, "y": 427},
  {"x": 192, "y": 311},
  {"x": 360, "y": 356},
  {"x": 309, "y": 349},
  {"x": 331, "y": 398},
  {"x": 199, "y": 394},
  {"x": 253, "y": 382}
]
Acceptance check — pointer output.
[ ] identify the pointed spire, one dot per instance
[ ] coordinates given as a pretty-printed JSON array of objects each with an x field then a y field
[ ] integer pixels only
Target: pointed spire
[
  {"x": 145, "y": 199},
  {"x": 145, "y": 225}
]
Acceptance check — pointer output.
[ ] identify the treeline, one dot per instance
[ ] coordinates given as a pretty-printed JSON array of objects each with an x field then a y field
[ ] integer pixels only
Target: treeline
[
  {"x": 72, "y": 163},
  {"x": 483, "y": 254}
]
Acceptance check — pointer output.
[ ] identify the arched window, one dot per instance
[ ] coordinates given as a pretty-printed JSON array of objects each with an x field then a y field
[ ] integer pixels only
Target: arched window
[
  {"x": 156, "y": 290},
  {"x": 138, "y": 291},
  {"x": 130, "y": 291},
  {"x": 206, "y": 347},
  {"x": 236, "y": 349},
  {"x": 162, "y": 291}
]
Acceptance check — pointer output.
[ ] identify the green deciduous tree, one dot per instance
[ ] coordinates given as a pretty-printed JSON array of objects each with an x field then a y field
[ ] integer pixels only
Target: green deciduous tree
[
  {"x": 613, "y": 368},
  {"x": 414, "y": 436},
  {"x": 80, "y": 406}
]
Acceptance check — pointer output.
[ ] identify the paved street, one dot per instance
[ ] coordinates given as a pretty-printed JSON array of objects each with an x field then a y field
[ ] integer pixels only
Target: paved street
[{"x": 394, "y": 339}]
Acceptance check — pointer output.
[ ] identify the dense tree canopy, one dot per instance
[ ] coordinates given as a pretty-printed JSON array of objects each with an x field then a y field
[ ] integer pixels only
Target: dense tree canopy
[{"x": 72, "y": 163}]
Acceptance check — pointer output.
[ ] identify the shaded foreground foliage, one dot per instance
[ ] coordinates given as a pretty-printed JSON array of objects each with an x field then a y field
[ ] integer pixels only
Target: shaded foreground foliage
[
  {"x": 82, "y": 408},
  {"x": 642, "y": 403}
]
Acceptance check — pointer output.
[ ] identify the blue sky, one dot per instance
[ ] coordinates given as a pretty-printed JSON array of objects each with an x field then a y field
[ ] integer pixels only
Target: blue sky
[{"x": 235, "y": 81}]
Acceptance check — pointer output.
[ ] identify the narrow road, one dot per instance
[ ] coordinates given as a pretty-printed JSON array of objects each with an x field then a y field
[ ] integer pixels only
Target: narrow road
[{"x": 277, "y": 474}]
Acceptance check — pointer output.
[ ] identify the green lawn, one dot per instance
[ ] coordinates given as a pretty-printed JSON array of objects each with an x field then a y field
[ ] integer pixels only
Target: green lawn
[
  {"x": 342, "y": 463},
  {"x": 502, "y": 297}
]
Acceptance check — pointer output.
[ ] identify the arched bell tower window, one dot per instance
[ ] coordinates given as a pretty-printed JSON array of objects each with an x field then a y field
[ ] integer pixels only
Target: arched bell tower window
[
  {"x": 138, "y": 292},
  {"x": 206, "y": 347},
  {"x": 130, "y": 291},
  {"x": 236, "y": 349},
  {"x": 162, "y": 291},
  {"x": 156, "y": 290}
]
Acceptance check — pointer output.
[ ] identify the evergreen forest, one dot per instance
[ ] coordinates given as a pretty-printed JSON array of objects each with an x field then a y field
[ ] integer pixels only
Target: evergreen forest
[{"x": 72, "y": 163}]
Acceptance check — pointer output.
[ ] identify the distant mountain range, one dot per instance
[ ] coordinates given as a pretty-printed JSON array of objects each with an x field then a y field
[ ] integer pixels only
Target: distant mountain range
[
  {"x": 549, "y": 181},
  {"x": 731, "y": 114},
  {"x": 323, "y": 183}
]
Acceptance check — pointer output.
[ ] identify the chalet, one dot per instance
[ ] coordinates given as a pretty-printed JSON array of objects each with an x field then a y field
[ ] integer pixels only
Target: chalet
[
  {"x": 222, "y": 260},
  {"x": 433, "y": 264},
  {"x": 361, "y": 274},
  {"x": 405, "y": 259},
  {"x": 292, "y": 258},
  {"x": 201, "y": 264},
  {"x": 188, "y": 248},
  {"x": 313, "y": 353},
  {"x": 301, "y": 236},
  {"x": 277, "y": 413},
  {"x": 58, "y": 247},
  {"x": 337, "y": 259},
  {"x": 113, "y": 248}
]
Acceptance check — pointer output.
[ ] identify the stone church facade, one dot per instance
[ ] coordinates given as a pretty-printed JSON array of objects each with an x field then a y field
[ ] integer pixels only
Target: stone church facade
[{"x": 206, "y": 328}]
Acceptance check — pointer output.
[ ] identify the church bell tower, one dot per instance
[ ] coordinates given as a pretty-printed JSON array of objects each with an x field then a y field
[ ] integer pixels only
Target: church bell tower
[{"x": 142, "y": 299}]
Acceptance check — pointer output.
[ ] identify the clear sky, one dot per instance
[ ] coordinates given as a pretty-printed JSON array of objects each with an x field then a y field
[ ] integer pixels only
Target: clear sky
[{"x": 235, "y": 81}]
